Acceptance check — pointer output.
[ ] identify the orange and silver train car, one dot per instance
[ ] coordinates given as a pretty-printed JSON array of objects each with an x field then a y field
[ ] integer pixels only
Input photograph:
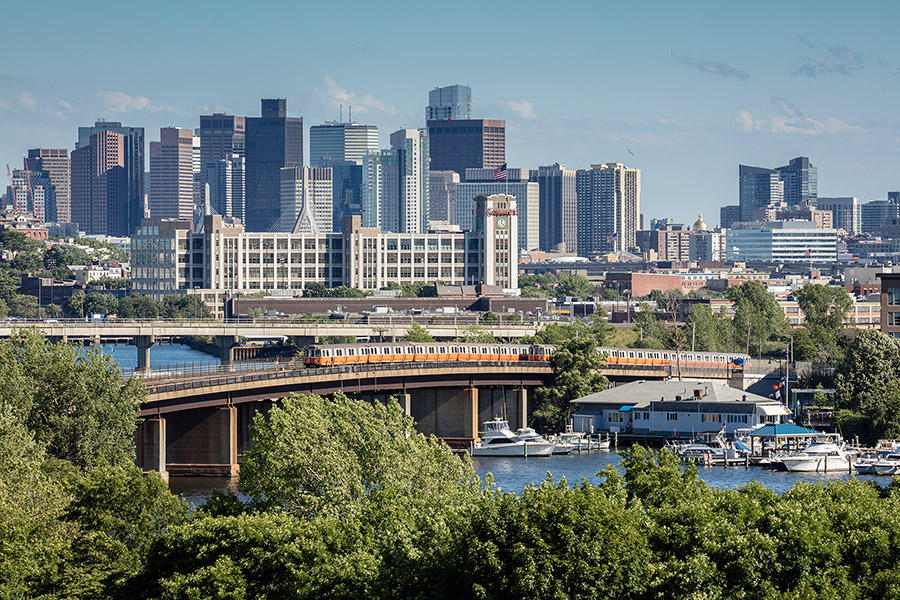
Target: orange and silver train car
[{"x": 645, "y": 356}]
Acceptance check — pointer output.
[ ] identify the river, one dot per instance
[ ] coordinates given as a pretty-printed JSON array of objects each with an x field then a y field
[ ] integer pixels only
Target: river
[{"x": 160, "y": 355}]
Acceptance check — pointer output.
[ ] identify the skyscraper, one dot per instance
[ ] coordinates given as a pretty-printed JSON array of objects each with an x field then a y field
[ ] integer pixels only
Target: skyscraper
[
  {"x": 457, "y": 145},
  {"x": 873, "y": 215},
  {"x": 758, "y": 188},
  {"x": 101, "y": 183},
  {"x": 225, "y": 178},
  {"x": 396, "y": 184},
  {"x": 450, "y": 102},
  {"x": 55, "y": 161},
  {"x": 442, "y": 194},
  {"x": 729, "y": 215},
  {"x": 380, "y": 185},
  {"x": 347, "y": 189},
  {"x": 273, "y": 141},
  {"x": 221, "y": 136},
  {"x": 336, "y": 141},
  {"x": 172, "y": 174},
  {"x": 126, "y": 205},
  {"x": 480, "y": 182},
  {"x": 31, "y": 191},
  {"x": 609, "y": 208},
  {"x": 844, "y": 212},
  {"x": 801, "y": 182},
  {"x": 558, "y": 207},
  {"x": 306, "y": 190}
]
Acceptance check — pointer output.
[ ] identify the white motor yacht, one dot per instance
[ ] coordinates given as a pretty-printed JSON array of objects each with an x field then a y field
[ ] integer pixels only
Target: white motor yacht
[
  {"x": 818, "y": 457},
  {"x": 499, "y": 440},
  {"x": 536, "y": 440},
  {"x": 888, "y": 465}
]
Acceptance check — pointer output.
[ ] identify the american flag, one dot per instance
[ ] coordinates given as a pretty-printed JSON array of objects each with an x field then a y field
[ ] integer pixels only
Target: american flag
[
  {"x": 611, "y": 237},
  {"x": 500, "y": 172}
]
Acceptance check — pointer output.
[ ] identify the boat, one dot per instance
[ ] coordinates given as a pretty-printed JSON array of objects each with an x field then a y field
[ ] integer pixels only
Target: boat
[
  {"x": 888, "y": 465},
  {"x": 818, "y": 457},
  {"x": 865, "y": 464},
  {"x": 499, "y": 440},
  {"x": 530, "y": 436}
]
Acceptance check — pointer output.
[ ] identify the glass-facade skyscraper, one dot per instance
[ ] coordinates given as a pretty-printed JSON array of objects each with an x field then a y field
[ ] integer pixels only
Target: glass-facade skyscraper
[
  {"x": 450, "y": 102},
  {"x": 341, "y": 141},
  {"x": 801, "y": 182},
  {"x": 758, "y": 187}
]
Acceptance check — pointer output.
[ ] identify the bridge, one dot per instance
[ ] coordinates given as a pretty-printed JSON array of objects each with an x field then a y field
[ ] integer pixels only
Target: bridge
[
  {"x": 144, "y": 333},
  {"x": 197, "y": 422}
]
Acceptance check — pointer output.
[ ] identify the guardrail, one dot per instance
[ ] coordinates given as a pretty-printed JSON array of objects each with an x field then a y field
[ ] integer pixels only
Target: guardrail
[
  {"x": 372, "y": 319},
  {"x": 292, "y": 371}
]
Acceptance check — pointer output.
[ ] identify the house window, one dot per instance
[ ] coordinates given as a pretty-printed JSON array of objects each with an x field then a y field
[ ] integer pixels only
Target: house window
[
  {"x": 671, "y": 416},
  {"x": 616, "y": 417},
  {"x": 711, "y": 418}
]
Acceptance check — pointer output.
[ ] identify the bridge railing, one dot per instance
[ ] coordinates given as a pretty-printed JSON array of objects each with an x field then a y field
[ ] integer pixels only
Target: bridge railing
[
  {"x": 292, "y": 371},
  {"x": 502, "y": 320}
]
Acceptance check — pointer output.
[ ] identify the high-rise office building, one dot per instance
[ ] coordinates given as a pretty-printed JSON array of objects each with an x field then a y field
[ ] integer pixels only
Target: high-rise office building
[
  {"x": 874, "y": 214},
  {"x": 396, "y": 184},
  {"x": 335, "y": 141},
  {"x": 306, "y": 191},
  {"x": 172, "y": 174},
  {"x": 273, "y": 141},
  {"x": 126, "y": 205},
  {"x": 457, "y": 145},
  {"x": 380, "y": 185},
  {"x": 31, "y": 191},
  {"x": 100, "y": 184},
  {"x": 450, "y": 102},
  {"x": 801, "y": 182},
  {"x": 558, "y": 207},
  {"x": 480, "y": 182},
  {"x": 55, "y": 161},
  {"x": 442, "y": 194},
  {"x": 221, "y": 136},
  {"x": 347, "y": 190},
  {"x": 729, "y": 215},
  {"x": 197, "y": 171},
  {"x": 844, "y": 212},
  {"x": 758, "y": 188},
  {"x": 225, "y": 178},
  {"x": 609, "y": 208}
]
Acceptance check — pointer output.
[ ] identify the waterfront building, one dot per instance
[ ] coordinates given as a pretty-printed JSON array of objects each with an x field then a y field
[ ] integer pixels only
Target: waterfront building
[
  {"x": 226, "y": 180},
  {"x": 336, "y": 141},
  {"x": 800, "y": 179},
  {"x": 273, "y": 141},
  {"x": 480, "y": 182},
  {"x": 558, "y": 220},
  {"x": 108, "y": 207},
  {"x": 874, "y": 214},
  {"x": 449, "y": 102},
  {"x": 890, "y": 303},
  {"x": 609, "y": 208},
  {"x": 457, "y": 145},
  {"x": 729, "y": 215},
  {"x": 442, "y": 194},
  {"x": 396, "y": 184},
  {"x": 758, "y": 188},
  {"x": 55, "y": 162},
  {"x": 681, "y": 409},
  {"x": 787, "y": 241},
  {"x": 172, "y": 174},
  {"x": 844, "y": 212},
  {"x": 172, "y": 256},
  {"x": 306, "y": 189}
]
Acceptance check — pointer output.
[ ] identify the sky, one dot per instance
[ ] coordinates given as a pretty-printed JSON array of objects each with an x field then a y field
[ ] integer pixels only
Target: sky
[{"x": 684, "y": 91}]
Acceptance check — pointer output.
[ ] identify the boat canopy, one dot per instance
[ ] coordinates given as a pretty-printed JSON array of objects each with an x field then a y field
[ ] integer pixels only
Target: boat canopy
[{"x": 783, "y": 430}]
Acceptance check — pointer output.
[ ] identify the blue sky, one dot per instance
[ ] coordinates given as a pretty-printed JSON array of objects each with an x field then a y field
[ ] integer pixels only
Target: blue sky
[{"x": 691, "y": 88}]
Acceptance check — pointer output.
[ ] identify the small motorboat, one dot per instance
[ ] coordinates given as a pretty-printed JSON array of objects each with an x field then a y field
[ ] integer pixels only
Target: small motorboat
[
  {"x": 889, "y": 465},
  {"x": 818, "y": 457},
  {"x": 530, "y": 436},
  {"x": 865, "y": 464}
]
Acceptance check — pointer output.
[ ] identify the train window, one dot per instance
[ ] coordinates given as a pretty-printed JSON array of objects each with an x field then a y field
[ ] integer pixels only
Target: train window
[
  {"x": 640, "y": 355},
  {"x": 631, "y": 355}
]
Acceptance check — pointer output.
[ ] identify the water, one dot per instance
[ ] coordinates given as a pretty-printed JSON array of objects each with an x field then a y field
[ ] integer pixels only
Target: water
[
  {"x": 160, "y": 355},
  {"x": 515, "y": 474}
]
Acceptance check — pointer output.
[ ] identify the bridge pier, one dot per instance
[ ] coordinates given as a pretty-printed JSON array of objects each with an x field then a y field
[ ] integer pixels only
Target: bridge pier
[
  {"x": 471, "y": 400},
  {"x": 226, "y": 344},
  {"x": 143, "y": 344},
  {"x": 203, "y": 442},
  {"x": 405, "y": 401},
  {"x": 521, "y": 399},
  {"x": 150, "y": 438}
]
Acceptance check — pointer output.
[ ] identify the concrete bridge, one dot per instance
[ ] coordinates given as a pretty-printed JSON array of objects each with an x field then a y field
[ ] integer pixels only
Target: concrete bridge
[{"x": 227, "y": 333}]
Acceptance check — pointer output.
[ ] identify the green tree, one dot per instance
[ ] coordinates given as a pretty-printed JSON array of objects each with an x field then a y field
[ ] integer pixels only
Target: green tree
[
  {"x": 103, "y": 304},
  {"x": 18, "y": 242},
  {"x": 756, "y": 312},
  {"x": 63, "y": 255},
  {"x": 24, "y": 306},
  {"x": 490, "y": 318},
  {"x": 573, "y": 284},
  {"x": 706, "y": 329},
  {"x": 4, "y": 309},
  {"x": 186, "y": 306},
  {"x": 477, "y": 334},
  {"x": 138, "y": 306},
  {"x": 867, "y": 382},
  {"x": 72, "y": 400},
  {"x": 825, "y": 309},
  {"x": 576, "y": 373},
  {"x": 74, "y": 305},
  {"x": 417, "y": 333}
]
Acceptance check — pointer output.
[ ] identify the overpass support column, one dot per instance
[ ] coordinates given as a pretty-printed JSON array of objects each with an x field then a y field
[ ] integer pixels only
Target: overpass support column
[
  {"x": 143, "y": 344},
  {"x": 151, "y": 446},
  {"x": 226, "y": 344},
  {"x": 302, "y": 341},
  {"x": 229, "y": 439},
  {"x": 521, "y": 398},
  {"x": 471, "y": 398},
  {"x": 405, "y": 401}
]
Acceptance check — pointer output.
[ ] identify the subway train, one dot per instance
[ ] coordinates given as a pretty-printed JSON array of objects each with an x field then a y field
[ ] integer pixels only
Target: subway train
[{"x": 319, "y": 355}]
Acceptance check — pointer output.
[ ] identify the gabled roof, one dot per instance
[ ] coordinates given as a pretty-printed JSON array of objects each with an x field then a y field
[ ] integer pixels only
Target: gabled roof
[{"x": 647, "y": 391}]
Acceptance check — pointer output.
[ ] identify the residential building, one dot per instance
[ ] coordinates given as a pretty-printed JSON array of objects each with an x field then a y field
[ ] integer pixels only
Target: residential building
[
  {"x": 800, "y": 180},
  {"x": 175, "y": 256},
  {"x": 609, "y": 208},
  {"x": 442, "y": 194},
  {"x": 844, "y": 212},
  {"x": 558, "y": 222},
  {"x": 758, "y": 188},
  {"x": 729, "y": 215},
  {"x": 457, "y": 145},
  {"x": 306, "y": 189},
  {"x": 449, "y": 102},
  {"x": 666, "y": 242},
  {"x": 226, "y": 180},
  {"x": 480, "y": 182},
  {"x": 337, "y": 141},
  {"x": 707, "y": 246},
  {"x": 873, "y": 215},
  {"x": 890, "y": 303},
  {"x": 273, "y": 141},
  {"x": 396, "y": 184},
  {"x": 172, "y": 174},
  {"x": 55, "y": 161},
  {"x": 110, "y": 211},
  {"x": 787, "y": 241},
  {"x": 32, "y": 192},
  {"x": 23, "y": 222}
]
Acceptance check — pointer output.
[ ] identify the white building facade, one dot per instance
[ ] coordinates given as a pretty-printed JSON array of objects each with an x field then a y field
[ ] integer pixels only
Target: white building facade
[{"x": 787, "y": 241}]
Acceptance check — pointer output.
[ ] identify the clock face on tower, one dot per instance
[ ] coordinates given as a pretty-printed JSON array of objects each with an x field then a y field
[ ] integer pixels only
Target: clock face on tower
[{"x": 501, "y": 223}]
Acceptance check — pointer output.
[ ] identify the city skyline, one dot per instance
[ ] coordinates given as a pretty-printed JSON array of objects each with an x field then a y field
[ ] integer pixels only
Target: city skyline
[{"x": 820, "y": 87}]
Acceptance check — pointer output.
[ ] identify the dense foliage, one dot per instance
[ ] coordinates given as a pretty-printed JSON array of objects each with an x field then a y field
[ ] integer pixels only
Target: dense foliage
[
  {"x": 558, "y": 285},
  {"x": 136, "y": 306}
]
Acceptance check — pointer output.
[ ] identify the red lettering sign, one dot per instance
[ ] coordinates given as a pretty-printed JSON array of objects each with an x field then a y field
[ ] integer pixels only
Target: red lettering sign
[{"x": 500, "y": 212}]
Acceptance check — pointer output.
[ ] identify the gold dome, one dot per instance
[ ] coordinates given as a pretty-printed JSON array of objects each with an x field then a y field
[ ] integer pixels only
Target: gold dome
[{"x": 700, "y": 224}]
